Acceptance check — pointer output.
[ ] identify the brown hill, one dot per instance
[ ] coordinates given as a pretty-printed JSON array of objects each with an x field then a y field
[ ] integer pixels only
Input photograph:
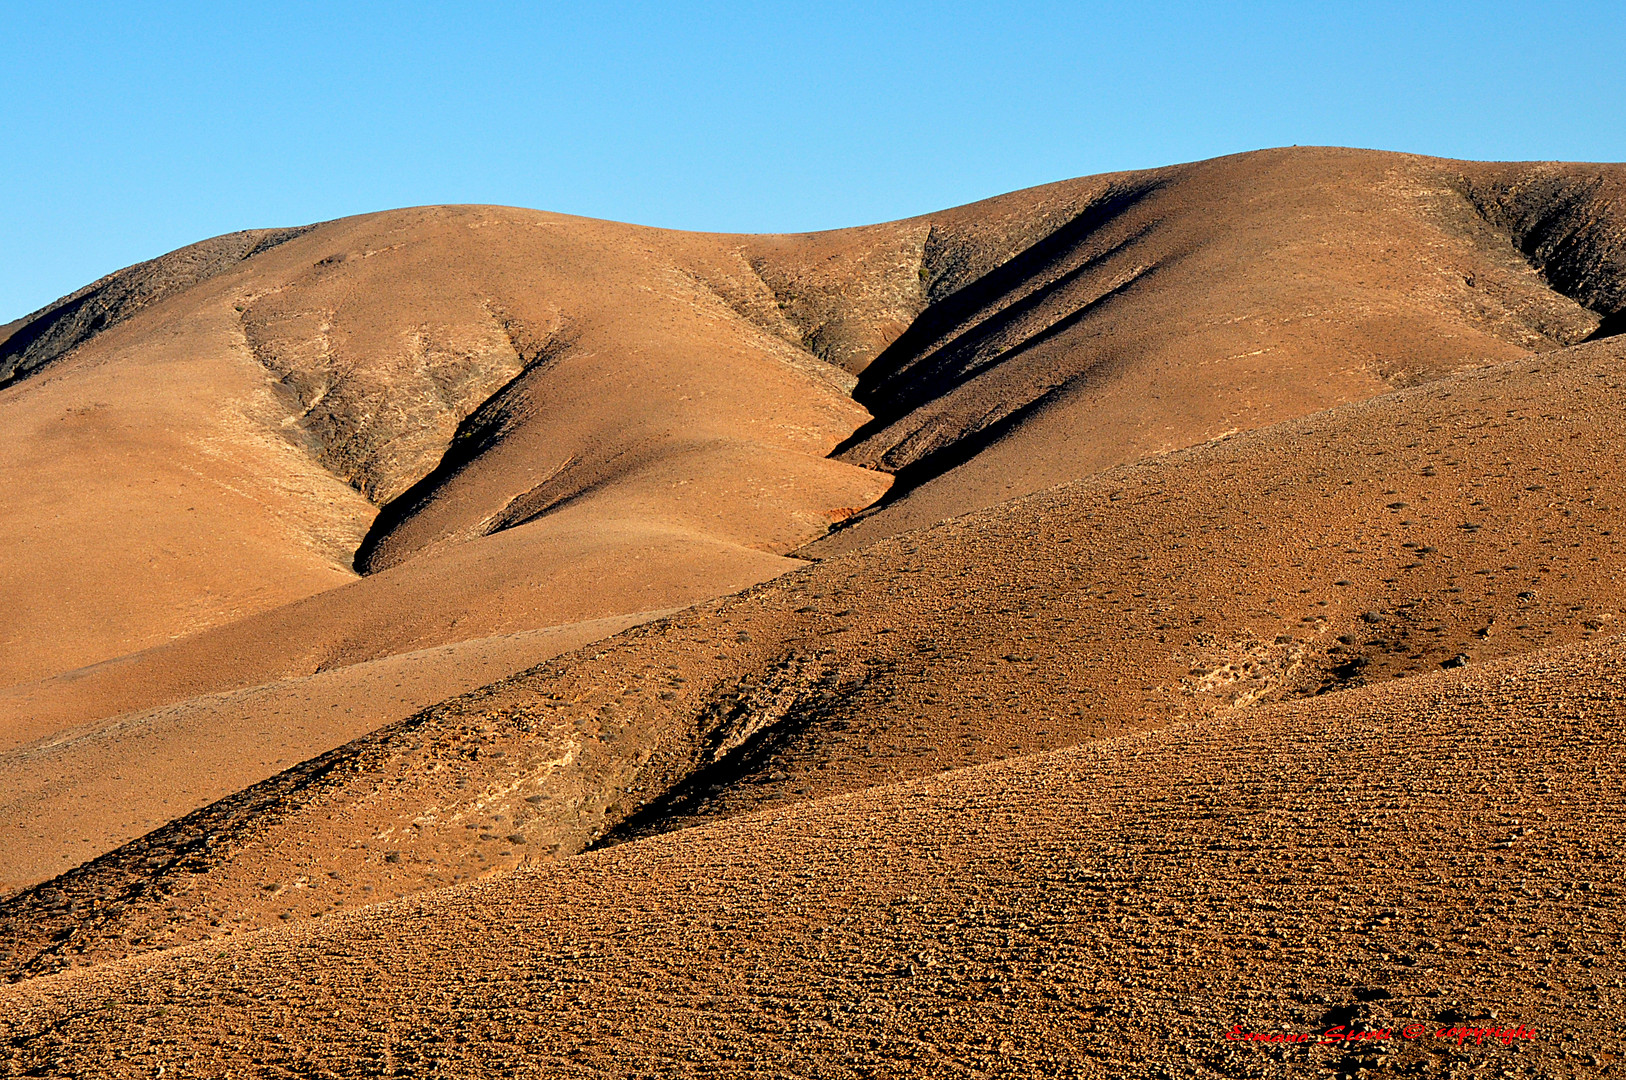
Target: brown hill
[
  {"x": 652, "y": 409},
  {"x": 351, "y": 353},
  {"x": 1265, "y": 286},
  {"x": 1185, "y": 303},
  {"x": 409, "y": 321},
  {"x": 1323, "y": 423},
  {"x": 196, "y": 454}
]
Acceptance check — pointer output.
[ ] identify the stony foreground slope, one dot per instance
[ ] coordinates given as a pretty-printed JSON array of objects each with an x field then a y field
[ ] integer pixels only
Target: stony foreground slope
[{"x": 1438, "y": 850}]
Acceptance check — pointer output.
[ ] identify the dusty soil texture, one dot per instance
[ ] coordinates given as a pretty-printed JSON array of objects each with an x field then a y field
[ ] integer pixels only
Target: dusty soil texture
[
  {"x": 1039, "y": 637},
  {"x": 1066, "y": 616},
  {"x": 1438, "y": 851}
]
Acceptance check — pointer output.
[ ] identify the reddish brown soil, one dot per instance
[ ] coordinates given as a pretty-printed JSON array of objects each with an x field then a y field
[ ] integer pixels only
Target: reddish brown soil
[{"x": 1436, "y": 851}]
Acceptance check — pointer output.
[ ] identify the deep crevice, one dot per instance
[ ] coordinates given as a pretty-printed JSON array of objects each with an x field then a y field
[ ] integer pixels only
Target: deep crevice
[
  {"x": 1611, "y": 326},
  {"x": 956, "y": 453},
  {"x": 985, "y": 294},
  {"x": 686, "y": 801},
  {"x": 1563, "y": 221},
  {"x": 478, "y": 432}
]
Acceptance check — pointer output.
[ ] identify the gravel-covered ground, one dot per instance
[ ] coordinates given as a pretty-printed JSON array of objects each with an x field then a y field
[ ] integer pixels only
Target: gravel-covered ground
[{"x": 1440, "y": 851}]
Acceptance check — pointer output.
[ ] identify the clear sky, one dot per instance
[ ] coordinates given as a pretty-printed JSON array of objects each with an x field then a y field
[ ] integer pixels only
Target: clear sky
[{"x": 127, "y": 133}]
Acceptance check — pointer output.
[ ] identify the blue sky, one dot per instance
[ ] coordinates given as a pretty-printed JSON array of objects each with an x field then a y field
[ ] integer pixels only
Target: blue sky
[{"x": 129, "y": 132}]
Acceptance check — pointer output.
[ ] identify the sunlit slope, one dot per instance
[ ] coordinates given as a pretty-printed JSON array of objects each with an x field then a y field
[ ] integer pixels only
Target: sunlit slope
[
  {"x": 540, "y": 421},
  {"x": 148, "y": 496},
  {"x": 219, "y": 448}
]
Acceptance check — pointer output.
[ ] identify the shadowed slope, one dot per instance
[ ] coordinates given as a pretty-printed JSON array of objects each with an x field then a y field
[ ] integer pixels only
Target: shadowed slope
[
  {"x": 1182, "y": 303},
  {"x": 1367, "y": 859},
  {"x": 1566, "y": 219},
  {"x": 1448, "y": 524},
  {"x": 35, "y": 341}
]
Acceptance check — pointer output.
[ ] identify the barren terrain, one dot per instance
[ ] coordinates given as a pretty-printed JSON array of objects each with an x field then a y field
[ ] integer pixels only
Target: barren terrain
[{"x": 1039, "y": 637}]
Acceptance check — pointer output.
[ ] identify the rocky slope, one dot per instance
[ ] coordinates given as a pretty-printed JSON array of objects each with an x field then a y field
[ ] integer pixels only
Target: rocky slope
[{"x": 1414, "y": 859}]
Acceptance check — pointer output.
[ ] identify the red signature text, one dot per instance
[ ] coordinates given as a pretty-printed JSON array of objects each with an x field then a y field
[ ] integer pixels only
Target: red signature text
[{"x": 1458, "y": 1033}]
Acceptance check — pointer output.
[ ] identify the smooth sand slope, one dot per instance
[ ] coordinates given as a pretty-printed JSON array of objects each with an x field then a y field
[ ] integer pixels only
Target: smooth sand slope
[{"x": 1438, "y": 850}]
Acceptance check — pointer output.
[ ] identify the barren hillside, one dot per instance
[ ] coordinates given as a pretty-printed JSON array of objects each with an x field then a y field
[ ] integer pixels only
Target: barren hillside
[
  {"x": 1173, "y": 599},
  {"x": 1189, "y": 302},
  {"x": 1436, "y": 527}
]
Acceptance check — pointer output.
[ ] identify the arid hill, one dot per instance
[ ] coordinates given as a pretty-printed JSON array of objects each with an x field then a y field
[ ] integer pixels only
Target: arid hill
[
  {"x": 1185, "y": 303},
  {"x": 1388, "y": 538},
  {"x": 1052, "y": 565}
]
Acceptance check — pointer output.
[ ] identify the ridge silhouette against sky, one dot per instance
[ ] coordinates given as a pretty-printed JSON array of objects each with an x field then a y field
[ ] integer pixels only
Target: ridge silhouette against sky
[{"x": 128, "y": 136}]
